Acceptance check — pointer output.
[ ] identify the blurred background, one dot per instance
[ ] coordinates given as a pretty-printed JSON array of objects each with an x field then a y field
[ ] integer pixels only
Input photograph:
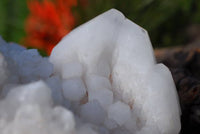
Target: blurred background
[
  {"x": 42, "y": 23},
  {"x": 173, "y": 26}
]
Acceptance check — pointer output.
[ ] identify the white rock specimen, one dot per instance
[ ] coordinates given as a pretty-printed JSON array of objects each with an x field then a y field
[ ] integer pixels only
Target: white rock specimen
[
  {"x": 112, "y": 47},
  {"x": 102, "y": 78}
]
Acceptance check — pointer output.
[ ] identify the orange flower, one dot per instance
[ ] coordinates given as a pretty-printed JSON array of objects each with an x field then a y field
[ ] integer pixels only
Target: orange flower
[{"x": 48, "y": 22}]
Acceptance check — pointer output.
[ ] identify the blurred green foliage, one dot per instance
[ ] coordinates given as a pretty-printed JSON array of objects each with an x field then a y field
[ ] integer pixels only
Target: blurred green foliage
[
  {"x": 165, "y": 20},
  {"x": 12, "y": 18}
]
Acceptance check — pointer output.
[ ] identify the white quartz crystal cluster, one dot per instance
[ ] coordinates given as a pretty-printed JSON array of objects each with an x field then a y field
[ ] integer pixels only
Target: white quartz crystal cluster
[{"x": 101, "y": 78}]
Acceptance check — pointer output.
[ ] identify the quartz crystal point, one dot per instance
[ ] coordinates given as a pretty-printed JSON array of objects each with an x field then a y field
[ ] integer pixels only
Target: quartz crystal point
[{"x": 111, "y": 53}]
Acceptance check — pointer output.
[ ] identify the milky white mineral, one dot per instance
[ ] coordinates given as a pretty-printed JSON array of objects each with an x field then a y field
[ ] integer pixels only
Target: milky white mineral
[
  {"x": 101, "y": 78},
  {"x": 114, "y": 50}
]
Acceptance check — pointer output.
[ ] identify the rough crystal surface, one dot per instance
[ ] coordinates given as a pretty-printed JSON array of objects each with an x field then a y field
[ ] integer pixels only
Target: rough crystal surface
[{"x": 101, "y": 78}]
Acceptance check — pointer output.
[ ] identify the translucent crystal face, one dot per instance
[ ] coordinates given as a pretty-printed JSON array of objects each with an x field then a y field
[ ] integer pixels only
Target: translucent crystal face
[{"x": 102, "y": 78}]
